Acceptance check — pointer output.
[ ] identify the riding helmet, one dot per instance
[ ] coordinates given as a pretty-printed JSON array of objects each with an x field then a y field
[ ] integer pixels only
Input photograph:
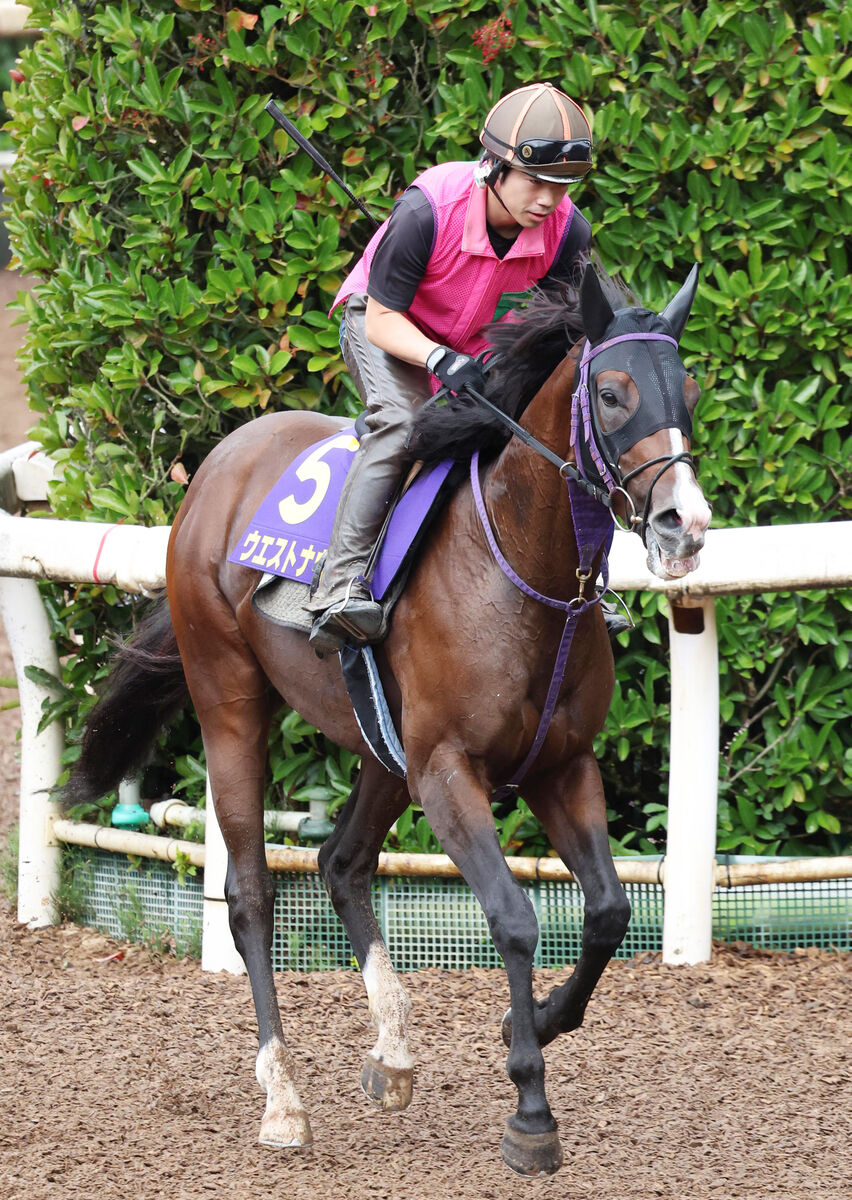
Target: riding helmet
[{"x": 539, "y": 130}]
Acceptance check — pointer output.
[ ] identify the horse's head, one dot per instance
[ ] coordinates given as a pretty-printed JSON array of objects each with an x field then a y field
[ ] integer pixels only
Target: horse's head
[{"x": 633, "y": 423}]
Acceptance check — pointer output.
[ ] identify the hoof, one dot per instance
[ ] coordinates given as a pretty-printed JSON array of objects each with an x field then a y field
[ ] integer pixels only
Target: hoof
[
  {"x": 290, "y": 1132},
  {"x": 389, "y": 1087},
  {"x": 532, "y": 1154},
  {"x": 544, "y": 1036}
]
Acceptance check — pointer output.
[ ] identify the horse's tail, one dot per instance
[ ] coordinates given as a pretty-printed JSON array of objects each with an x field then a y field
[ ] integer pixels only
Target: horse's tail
[{"x": 144, "y": 690}]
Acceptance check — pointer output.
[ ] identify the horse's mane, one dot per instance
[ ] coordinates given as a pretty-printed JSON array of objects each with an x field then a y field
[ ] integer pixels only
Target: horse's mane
[{"x": 527, "y": 350}]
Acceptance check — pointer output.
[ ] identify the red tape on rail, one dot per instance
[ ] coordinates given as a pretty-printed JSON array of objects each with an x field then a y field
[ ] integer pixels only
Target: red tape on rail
[{"x": 100, "y": 552}]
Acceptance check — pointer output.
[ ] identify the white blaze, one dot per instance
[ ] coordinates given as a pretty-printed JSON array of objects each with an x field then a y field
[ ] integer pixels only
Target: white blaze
[{"x": 687, "y": 497}]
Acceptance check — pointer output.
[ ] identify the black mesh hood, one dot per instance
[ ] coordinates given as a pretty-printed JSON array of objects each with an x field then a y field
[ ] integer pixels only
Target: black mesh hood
[{"x": 658, "y": 373}]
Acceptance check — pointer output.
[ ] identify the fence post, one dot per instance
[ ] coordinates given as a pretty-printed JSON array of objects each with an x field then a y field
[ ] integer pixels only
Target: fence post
[
  {"x": 693, "y": 782},
  {"x": 218, "y": 952},
  {"x": 39, "y": 854}
]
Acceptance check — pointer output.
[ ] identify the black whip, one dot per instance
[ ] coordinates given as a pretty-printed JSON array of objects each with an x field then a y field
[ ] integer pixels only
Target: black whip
[{"x": 323, "y": 163}]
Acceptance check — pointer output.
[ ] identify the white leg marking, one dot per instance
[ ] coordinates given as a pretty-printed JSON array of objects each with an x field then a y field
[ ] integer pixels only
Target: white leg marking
[
  {"x": 389, "y": 1008},
  {"x": 285, "y": 1122}
]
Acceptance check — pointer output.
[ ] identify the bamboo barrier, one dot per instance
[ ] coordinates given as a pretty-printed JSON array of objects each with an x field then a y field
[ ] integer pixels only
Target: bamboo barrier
[
  {"x": 295, "y": 859},
  {"x": 126, "y": 841},
  {"x": 797, "y": 870}
]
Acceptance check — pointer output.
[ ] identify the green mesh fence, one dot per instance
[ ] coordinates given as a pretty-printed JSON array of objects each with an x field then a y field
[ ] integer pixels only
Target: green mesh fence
[
  {"x": 436, "y": 922},
  {"x": 776, "y": 916},
  {"x": 136, "y": 900}
]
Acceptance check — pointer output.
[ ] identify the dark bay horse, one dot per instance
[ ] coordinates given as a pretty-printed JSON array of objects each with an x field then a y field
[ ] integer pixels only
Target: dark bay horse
[{"x": 467, "y": 666}]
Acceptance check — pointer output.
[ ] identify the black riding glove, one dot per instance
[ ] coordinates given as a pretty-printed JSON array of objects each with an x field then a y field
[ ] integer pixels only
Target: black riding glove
[{"x": 456, "y": 371}]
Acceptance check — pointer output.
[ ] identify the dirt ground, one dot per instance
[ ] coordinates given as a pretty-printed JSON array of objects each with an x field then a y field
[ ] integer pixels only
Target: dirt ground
[{"x": 133, "y": 1076}]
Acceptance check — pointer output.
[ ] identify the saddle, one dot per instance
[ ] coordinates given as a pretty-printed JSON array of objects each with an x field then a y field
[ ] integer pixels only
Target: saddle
[
  {"x": 286, "y": 542},
  {"x": 287, "y": 538}
]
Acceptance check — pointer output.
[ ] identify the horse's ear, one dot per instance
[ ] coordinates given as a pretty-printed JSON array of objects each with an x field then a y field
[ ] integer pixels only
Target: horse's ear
[
  {"x": 595, "y": 309},
  {"x": 676, "y": 311}
]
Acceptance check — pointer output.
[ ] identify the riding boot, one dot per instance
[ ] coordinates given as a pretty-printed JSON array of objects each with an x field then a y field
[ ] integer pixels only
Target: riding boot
[
  {"x": 343, "y": 601},
  {"x": 392, "y": 391}
]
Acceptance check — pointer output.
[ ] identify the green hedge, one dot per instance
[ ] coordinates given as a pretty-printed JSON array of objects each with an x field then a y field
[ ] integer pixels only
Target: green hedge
[{"x": 189, "y": 254}]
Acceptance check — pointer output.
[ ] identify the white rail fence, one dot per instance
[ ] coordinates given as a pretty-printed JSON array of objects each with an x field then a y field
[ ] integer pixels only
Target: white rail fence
[
  {"x": 771, "y": 558},
  {"x": 12, "y": 18}
]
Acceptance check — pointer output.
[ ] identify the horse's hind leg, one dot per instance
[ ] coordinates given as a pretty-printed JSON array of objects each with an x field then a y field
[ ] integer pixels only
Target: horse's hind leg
[
  {"x": 236, "y": 758},
  {"x": 459, "y": 811},
  {"x": 348, "y": 864},
  {"x": 233, "y": 701}
]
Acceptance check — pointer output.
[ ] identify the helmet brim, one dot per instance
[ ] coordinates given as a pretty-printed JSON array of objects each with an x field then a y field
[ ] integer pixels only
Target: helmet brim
[{"x": 554, "y": 172}]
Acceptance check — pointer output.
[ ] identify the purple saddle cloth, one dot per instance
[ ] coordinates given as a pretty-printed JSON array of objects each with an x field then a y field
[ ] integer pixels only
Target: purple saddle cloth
[{"x": 292, "y": 526}]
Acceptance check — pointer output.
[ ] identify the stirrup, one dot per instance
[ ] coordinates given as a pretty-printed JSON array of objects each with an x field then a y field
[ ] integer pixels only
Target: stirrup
[
  {"x": 615, "y": 621},
  {"x": 355, "y": 620}
]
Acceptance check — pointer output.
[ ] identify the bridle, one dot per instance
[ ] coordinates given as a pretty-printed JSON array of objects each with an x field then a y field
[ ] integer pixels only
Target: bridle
[
  {"x": 591, "y": 523},
  {"x": 607, "y": 482},
  {"x": 608, "y": 472}
]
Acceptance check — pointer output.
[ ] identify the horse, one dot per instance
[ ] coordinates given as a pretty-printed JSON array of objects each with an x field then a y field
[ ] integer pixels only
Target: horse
[{"x": 467, "y": 667}]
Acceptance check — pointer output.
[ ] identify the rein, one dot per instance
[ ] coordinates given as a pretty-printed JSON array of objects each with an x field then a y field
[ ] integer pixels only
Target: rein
[{"x": 566, "y": 469}]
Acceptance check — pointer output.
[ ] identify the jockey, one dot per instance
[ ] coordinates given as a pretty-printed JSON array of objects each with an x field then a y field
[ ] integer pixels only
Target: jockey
[{"x": 461, "y": 247}]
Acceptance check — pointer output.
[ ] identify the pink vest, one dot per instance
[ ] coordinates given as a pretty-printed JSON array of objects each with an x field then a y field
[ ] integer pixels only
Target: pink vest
[{"x": 466, "y": 286}]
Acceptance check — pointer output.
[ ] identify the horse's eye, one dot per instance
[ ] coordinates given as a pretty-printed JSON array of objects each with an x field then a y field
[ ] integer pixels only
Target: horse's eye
[{"x": 609, "y": 399}]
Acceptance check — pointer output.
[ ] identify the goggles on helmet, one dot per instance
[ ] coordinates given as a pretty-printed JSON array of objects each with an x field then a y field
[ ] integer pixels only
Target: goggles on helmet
[
  {"x": 547, "y": 152},
  {"x": 540, "y": 150}
]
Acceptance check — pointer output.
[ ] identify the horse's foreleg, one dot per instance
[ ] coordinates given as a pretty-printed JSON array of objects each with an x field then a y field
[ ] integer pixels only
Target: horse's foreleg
[
  {"x": 459, "y": 811},
  {"x": 347, "y": 862},
  {"x": 573, "y": 812}
]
